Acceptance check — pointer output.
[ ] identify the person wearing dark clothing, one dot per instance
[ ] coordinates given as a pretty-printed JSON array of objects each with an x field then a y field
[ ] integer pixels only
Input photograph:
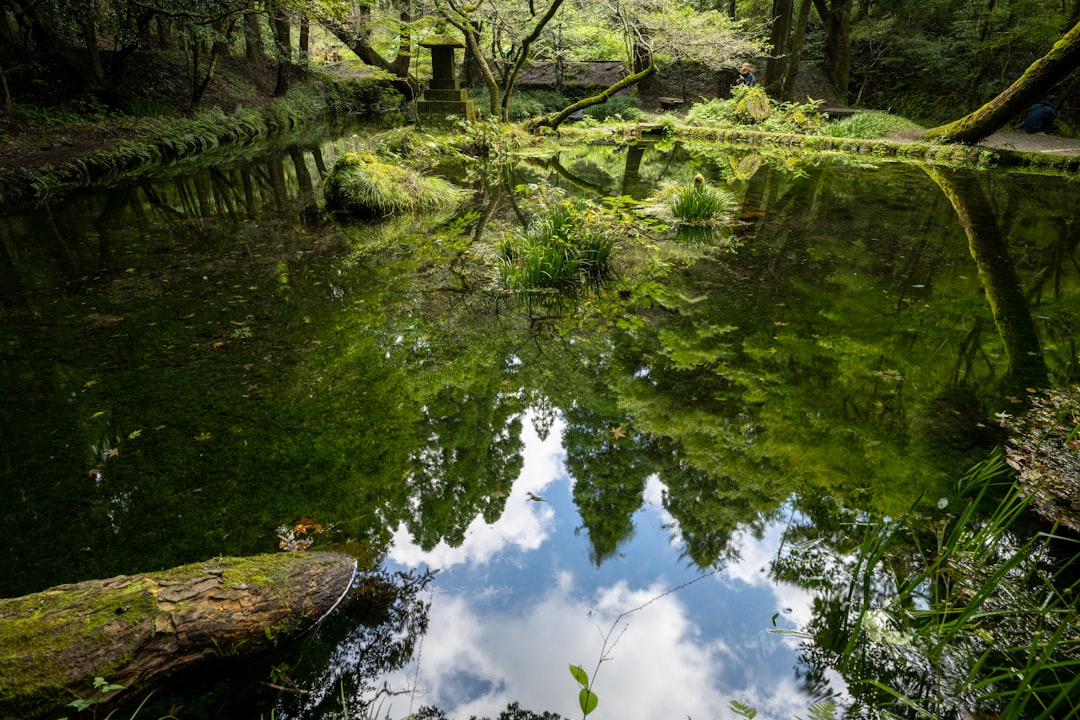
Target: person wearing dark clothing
[
  {"x": 1040, "y": 118},
  {"x": 746, "y": 76}
]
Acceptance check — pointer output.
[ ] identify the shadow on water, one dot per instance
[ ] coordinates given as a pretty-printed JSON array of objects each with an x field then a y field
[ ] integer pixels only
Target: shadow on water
[{"x": 191, "y": 366}]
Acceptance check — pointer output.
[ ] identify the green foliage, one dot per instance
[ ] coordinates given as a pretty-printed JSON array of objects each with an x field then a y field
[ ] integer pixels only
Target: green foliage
[
  {"x": 743, "y": 710},
  {"x": 618, "y": 108},
  {"x": 697, "y": 203},
  {"x": 871, "y": 124},
  {"x": 523, "y": 104},
  {"x": 752, "y": 107},
  {"x": 975, "y": 612},
  {"x": 362, "y": 186},
  {"x": 587, "y": 699},
  {"x": 568, "y": 246}
]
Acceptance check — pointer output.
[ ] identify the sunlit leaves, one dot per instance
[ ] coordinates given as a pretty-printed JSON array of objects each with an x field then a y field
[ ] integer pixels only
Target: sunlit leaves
[{"x": 587, "y": 699}]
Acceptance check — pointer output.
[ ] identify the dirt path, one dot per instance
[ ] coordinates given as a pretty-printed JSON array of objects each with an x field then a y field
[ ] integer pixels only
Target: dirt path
[{"x": 1023, "y": 142}]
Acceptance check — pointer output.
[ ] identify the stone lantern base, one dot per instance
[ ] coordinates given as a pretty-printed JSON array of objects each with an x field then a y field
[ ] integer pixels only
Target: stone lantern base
[{"x": 436, "y": 104}]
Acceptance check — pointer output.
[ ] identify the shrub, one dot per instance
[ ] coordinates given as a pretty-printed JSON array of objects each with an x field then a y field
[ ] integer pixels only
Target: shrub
[{"x": 617, "y": 107}]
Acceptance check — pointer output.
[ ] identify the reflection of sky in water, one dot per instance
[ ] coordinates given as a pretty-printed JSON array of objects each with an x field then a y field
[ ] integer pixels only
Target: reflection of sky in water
[{"x": 519, "y": 601}]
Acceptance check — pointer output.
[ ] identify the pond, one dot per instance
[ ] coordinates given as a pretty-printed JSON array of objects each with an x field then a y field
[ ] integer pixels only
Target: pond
[{"x": 628, "y": 480}]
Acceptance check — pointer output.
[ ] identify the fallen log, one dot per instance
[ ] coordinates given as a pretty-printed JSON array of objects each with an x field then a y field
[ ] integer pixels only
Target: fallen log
[{"x": 136, "y": 630}]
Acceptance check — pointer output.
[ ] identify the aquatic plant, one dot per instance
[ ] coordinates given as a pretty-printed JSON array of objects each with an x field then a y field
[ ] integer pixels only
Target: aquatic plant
[
  {"x": 698, "y": 204},
  {"x": 569, "y": 244},
  {"x": 362, "y": 186}
]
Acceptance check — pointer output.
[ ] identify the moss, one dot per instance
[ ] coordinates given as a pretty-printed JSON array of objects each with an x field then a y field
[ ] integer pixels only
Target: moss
[
  {"x": 361, "y": 186},
  {"x": 48, "y": 625}
]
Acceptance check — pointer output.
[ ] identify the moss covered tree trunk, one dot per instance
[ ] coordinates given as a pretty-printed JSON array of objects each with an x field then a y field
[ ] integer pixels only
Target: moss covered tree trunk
[
  {"x": 1040, "y": 77},
  {"x": 135, "y": 630},
  {"x": 554, "y": 121}
]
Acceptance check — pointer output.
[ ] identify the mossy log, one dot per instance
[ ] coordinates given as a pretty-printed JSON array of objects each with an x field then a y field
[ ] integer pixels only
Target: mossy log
[{"x": 136, "y": 630}]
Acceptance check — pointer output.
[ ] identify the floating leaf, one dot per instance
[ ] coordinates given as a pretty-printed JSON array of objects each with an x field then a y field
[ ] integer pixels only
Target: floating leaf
[
  {"x": 134, "y": 434},
  {"x": 98, "y": 414}
]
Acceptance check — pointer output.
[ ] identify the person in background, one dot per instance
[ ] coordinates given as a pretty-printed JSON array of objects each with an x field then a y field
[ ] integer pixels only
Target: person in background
[
  {"x": 746, "y": 75},
  {"x": 1040, "y": 118}
]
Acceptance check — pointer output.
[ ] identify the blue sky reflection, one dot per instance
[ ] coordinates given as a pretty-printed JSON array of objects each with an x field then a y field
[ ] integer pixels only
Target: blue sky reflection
[{"x": 519, "y": 601}]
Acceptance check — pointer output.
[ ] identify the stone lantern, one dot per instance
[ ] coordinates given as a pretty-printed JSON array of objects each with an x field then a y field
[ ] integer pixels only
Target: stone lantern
[{"x": 444, "y": 96}]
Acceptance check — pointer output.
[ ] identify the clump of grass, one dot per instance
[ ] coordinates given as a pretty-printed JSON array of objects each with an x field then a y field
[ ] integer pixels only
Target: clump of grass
[
  {"x": 564, "y": 248},
  {"x": 976, "y": 614},
  {"x": 868, "y": 125},
  {"x": 697, "y": 204},
  {"x": 361, "y": 186}
]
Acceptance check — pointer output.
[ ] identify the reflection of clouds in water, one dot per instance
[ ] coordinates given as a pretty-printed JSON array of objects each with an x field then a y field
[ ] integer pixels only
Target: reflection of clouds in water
[
  {"x": 523, "y": 524},
  {"x": 499, "y": 635},
  {"x": 475, "y": 661},
  {"x": 794, "y": 603},
  {"x": 656, "y": 667}
]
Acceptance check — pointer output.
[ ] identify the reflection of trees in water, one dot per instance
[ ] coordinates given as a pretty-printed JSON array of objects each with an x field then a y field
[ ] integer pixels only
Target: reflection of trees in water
[
  {"x": 989, "y": 250},
  {"x": 468, "y": 454}
]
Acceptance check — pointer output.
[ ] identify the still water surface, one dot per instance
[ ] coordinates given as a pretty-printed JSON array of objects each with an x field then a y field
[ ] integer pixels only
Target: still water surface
[{"x": 192, "y": 365}]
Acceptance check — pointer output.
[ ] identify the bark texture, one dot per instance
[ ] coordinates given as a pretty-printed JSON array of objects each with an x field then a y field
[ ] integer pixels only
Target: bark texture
[{"x": 136, "y": 630}]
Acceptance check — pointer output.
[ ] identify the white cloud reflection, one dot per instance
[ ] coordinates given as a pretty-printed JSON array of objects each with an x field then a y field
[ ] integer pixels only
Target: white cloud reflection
[
  {"x": 523, "y": 525},
  {"x": 519, "y": 602}
]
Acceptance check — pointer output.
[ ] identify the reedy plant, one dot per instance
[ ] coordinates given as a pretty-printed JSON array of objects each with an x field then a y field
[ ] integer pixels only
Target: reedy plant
[{"x": 975, "y": 616}]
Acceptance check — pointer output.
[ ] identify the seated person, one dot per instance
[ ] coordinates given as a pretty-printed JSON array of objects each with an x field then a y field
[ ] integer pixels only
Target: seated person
[{"x": 1040, "y": 118}]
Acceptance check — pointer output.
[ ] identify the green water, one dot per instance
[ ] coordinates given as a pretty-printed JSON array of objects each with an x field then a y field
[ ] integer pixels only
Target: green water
[{"x": 190, "y": 365}]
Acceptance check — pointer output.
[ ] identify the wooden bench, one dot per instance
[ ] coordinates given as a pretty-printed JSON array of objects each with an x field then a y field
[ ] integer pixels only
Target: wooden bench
[
  {"x": 835, "y": 113},
  {"x": 670, "y": 103}
]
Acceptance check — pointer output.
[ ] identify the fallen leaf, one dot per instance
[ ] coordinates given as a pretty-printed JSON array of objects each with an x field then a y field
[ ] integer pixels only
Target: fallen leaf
[{"x": 90, "y": 383}]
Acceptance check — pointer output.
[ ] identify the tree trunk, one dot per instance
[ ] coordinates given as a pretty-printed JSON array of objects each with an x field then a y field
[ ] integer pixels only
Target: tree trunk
[
  {"x": 253, "y": 45},
  {"x": 5, "y": 101},
  {"x": 135, "y": 630},
  {"x": 360, "y": 44},
  {"x": 304, "y": 41},
  {"x": 780, "y": 40},
  {"x": 836, "y": 18},
  {"x": 164, "y": 32},
  {"x": 1037, "y": 80},
  {"x": 791, "y": 70},
  {"x": 554, "y": 121},
  {"x": 282, "y": 47}
]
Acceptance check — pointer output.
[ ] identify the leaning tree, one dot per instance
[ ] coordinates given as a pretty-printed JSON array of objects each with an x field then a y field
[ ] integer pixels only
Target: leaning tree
[{"x": 1041, "y": 76}]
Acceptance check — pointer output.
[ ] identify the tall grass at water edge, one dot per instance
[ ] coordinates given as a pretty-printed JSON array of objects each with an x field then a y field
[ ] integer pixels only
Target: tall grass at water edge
[{"x": 982, "y": 615}]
